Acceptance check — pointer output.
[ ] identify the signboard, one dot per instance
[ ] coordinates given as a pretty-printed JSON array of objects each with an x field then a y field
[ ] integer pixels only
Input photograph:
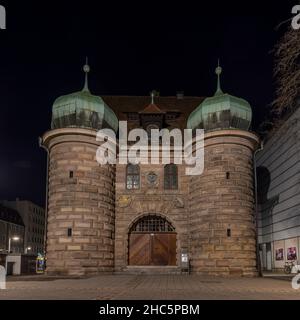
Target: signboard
[
  {"x": 184, "y": 257},
  {"x": 184, "y": 260},
  {"x": 279, "y": 254},
  {"x": 40, "y": 264},
  {"x": 292, "y": 253}
]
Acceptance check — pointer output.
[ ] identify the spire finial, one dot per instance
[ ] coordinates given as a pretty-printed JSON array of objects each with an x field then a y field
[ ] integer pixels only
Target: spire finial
[
  {"x": 86, "y": 69},
  {"x": 152, "y": 96},
  {"x": 218, "y": 73}
]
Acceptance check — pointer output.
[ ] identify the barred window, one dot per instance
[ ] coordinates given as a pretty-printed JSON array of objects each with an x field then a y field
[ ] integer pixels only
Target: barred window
[
  {"x": 152, "y": 223},
  {"x": 132, "y": 177},
  {"x": 171, "y": 177}
]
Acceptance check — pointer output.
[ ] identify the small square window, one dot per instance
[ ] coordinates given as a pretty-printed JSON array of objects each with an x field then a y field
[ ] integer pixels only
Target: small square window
[{"x": 71, "y": 174}]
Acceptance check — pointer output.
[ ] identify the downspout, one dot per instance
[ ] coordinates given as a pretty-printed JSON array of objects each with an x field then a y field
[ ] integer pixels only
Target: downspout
[
  {"x": 46, "y": 200},
  {"x": 256, "y": 209}
]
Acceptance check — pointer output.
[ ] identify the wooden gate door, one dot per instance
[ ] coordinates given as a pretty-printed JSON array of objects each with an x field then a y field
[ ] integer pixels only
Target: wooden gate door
[
  {"x": 139, "y": 249},
  {"x": 163, "y": 249},
  {"x": 157, "y": 249}
]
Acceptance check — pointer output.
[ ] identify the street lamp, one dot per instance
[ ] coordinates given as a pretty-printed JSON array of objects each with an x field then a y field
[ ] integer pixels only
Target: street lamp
[
  {"x": 12, "y": 239},
  {"x": 28, "y": 249}
]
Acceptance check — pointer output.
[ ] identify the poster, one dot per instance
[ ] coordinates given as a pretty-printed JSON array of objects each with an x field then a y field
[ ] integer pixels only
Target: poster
[
  {"x": 40, "y": 264},
  {"x": 292, "y": 253},
  {"x": 279, "y": 254}
]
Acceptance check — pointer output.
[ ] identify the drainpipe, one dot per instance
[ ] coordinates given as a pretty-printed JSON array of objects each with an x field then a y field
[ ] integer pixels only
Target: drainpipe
[
  {"x": 256, "y": 209},
  {"x": 46, "y": 200}
]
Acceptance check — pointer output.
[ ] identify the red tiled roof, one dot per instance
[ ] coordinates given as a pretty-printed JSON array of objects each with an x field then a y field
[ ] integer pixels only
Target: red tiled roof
[
  {"x": 122, "y": 105},
  {"x": 152, "y": 109}
]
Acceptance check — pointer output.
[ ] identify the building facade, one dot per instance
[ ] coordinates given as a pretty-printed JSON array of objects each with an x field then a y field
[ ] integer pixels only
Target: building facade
[
  {"x": 278, "y": 174},
  {"x": 12, "y": 231},
  {"x": 150, "y": 217},
  {"x": 33, "y": 217}
]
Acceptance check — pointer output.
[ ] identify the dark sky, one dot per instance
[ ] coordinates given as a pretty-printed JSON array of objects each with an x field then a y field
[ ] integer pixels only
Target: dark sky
[{"x": 132, "y": 49}]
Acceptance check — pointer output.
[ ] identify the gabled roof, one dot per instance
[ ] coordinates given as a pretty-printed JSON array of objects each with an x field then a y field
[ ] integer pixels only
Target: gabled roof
[
  {"x": 123, "y": 105},
  {"x": 152, "y": 109}
]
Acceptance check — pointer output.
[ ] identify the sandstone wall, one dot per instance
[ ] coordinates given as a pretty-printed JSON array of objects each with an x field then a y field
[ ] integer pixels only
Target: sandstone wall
[
  {"x": 82, "y": 201},
  {"x": 221, "y": 203},
  {"x": 149, "y": 199}
]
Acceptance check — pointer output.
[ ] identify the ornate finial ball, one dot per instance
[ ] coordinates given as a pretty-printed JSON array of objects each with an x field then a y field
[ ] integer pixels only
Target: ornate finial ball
[
  {"x": 218, "y": 70},
  {"x": 86, "y": 68}
]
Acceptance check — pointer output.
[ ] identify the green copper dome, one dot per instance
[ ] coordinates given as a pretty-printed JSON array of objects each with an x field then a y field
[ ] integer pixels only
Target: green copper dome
[
  {"x": 84, "y": 110},
  {"x": 222, "y": 111}
]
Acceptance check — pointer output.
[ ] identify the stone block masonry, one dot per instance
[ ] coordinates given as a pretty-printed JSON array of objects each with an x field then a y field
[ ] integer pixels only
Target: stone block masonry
[
  {"x": 81, "y": 204},
  {"x": 91, "y": 213},
  {"x": 221, "y": 202}
]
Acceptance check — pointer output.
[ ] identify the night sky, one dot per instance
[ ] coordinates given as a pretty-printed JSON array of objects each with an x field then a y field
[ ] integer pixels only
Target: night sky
[{"x": 132, "y": 49}]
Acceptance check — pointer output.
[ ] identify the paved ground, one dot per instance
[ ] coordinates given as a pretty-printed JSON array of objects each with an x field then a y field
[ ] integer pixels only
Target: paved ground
[{"x": 149, "y": 287}]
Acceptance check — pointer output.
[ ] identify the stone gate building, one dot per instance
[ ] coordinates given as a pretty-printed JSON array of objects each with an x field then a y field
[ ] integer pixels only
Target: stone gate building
[{"x": 146, "y": 218}]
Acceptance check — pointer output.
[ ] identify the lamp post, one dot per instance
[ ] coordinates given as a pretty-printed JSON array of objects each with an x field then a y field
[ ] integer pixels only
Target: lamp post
[
  {"x": 9, "y": 242},
  {"x": 27, "y": 249}
]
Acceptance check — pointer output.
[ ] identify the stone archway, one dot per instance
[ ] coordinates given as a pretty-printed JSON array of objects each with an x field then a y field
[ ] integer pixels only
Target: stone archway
[{"x": 152, "y": 242}]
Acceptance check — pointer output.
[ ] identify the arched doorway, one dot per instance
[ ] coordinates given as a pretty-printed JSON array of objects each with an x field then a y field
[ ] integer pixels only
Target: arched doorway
[{"x": 152, "y": 242}]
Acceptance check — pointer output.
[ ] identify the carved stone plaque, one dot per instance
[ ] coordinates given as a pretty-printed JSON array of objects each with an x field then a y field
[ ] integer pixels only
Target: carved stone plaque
[
  {"x": 124, "y": 201},
  {"x": 152, "y": 178},
  {"x": 179, "y": 202}
]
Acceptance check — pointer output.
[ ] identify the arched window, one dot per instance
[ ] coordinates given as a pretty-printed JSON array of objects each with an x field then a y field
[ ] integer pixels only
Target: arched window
[
  {"x": 132, "y": 177},
  {"x": 152, "y": 223},
  {"x": 171, "y": 177}
]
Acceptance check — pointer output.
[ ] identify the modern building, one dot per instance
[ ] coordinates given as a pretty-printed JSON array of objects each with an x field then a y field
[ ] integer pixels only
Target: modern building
[
  {"x": 12, "y": 231},
  {"x": 278, "y": 174},
  {"x": 33, "y": 217},
  {"x": 150, "y": 217}
]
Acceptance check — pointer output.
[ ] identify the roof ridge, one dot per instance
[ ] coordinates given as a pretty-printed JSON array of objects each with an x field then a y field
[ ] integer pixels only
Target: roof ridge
[{"x": 139, "y": 96}]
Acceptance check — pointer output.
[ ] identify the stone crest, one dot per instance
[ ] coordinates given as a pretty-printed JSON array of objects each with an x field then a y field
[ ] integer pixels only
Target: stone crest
[
  {"x": 152, "y": 179},
  {"x": 178, "y": 202},
  {"x": 124, "y": 201}
]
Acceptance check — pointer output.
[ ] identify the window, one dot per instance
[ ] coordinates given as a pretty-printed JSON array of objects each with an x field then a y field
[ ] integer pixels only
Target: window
[
  {"x": 152, "y": 223},
  {"x": 132, "y": 177},
  {"x": 71, "y": 174},
  {"x": 171, "y": 177}
]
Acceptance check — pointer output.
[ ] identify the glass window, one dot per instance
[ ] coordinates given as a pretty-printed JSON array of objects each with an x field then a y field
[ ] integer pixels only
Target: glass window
[
  {"x": 171, "y": 177},
  {"x": 132, "y": 177}
]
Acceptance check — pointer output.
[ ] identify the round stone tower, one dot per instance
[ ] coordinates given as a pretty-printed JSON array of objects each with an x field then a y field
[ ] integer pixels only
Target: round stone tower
[
  {"x": 81, "y": 193},
  {"x": 222, "y": 221}
]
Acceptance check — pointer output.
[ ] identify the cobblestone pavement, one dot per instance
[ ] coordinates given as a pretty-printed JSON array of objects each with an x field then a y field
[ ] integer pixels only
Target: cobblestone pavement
[{"x": 149, "y": 287}]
